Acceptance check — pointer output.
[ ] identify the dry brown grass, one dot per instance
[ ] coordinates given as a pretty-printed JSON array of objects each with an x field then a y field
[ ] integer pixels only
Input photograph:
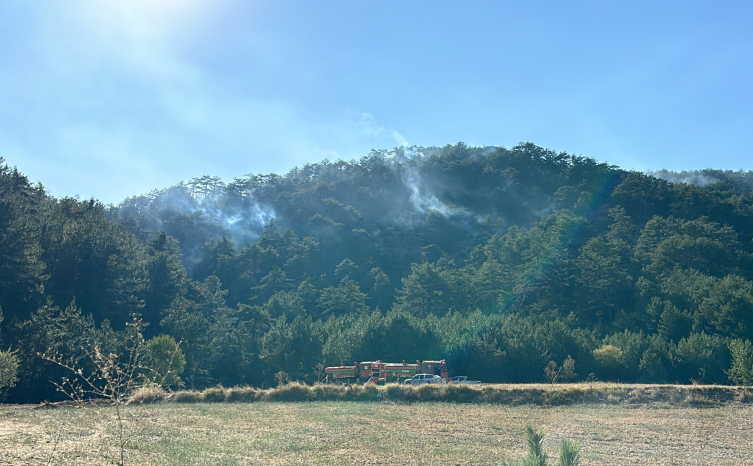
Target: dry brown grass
[
  {"x": 512, "y": 394},
  {"x": 147, "y": 395},
  {"x": 374, "y": 433}
]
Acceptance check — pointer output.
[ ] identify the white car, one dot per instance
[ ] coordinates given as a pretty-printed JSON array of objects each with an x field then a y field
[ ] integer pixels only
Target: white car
[
  {"x": 462, "y": 379},
  {"x": 421, "y": 379}
]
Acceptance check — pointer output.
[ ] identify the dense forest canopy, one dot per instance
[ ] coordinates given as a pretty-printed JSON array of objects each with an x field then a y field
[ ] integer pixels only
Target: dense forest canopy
[{"x": 498, "y": 260}]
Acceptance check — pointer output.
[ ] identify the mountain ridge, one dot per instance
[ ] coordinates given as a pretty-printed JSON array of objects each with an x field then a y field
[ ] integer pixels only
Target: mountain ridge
[{"x": 499, "y": 260}]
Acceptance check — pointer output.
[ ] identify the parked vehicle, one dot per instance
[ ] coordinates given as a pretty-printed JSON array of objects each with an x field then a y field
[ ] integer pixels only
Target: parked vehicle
[
  {"x": 458, "y": 379},
  {"x": 421, "y": 379}
]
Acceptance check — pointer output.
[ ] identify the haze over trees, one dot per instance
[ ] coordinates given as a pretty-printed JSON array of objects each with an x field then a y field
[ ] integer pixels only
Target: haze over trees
[{"x": 499, "y": 260}]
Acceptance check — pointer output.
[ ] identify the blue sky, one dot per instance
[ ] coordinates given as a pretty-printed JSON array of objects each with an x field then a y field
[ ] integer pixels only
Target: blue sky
[{"x": 107, "y": 99}]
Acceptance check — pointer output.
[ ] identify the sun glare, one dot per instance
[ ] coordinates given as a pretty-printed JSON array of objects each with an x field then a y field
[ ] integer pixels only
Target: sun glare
[
  {"x": 145, "y": 16},
  {"x": 165, "y": 8}
]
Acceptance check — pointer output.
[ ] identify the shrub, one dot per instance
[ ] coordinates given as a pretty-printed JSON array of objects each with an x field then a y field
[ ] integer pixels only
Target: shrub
[
  {"x": 216, "y": 394},
  {"x": 294, "y": 391},
  {"x": 609, "y": 358},
  {"x": 461, "y": 394},
  {"x": 552, "y": 372},
  {"x": 741, "y": 369},
  {"x": 701, "y": 358},
  {"x": 568, "y": 373},
  {"x": 165, "y": 361},
  {"x": 243, "y": 395},
  {"x": 564, "y": 397},
  {"x": 393, "y": 391},
  {"x": 8, "y": 369},
  {"x": 147, "y": 395},
  {"x": 368, "y": 392},
  {"x": 186, "y": 396},
  {"x": 281, "y": 378}
]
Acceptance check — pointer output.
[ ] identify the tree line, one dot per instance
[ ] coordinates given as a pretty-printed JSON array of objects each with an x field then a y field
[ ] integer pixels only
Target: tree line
[{"x": 497, "y": 260}]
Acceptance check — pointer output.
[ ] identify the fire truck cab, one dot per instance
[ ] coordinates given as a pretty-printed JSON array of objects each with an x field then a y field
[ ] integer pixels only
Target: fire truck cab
[
  {"x": 371, "y": 371},
  {"x": 435, "y": 367}
]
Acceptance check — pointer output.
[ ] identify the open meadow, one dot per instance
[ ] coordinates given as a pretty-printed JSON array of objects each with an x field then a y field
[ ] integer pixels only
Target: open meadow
[{"x": 344, "y": 432}]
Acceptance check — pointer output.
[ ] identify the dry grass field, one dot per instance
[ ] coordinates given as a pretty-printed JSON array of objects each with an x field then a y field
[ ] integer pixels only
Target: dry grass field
[{"x": 337, "y": 432}]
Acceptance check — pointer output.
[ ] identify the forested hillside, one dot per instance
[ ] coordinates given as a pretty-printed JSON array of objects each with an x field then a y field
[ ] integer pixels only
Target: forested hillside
[{"x": 498, "y": 260}]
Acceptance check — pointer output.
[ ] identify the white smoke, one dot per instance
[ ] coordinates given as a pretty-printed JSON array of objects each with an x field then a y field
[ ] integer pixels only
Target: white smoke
[
  {"x": 422, "y": 199},
  {"x": 242, "y": 221},
  {"x": 401, "y": 141},
  {"x": 696, "y": 178}
]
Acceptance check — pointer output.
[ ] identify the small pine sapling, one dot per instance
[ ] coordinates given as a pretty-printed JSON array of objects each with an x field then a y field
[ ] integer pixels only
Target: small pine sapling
[
  {"x": 569, "y": 453},
  {"x": 536, "y": 454}
]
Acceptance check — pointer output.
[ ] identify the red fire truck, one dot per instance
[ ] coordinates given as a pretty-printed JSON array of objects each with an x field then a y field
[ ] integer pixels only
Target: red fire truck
[{"x": 378, "y": 371}]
